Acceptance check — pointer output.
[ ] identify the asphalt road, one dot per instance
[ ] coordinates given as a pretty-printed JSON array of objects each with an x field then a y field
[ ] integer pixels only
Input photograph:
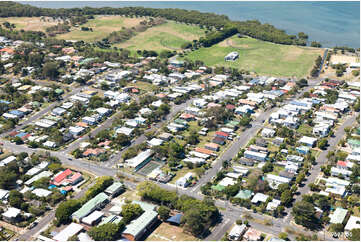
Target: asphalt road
[
  {"x": 47, "y": 218},
  {"x": 40, "y": 113}
]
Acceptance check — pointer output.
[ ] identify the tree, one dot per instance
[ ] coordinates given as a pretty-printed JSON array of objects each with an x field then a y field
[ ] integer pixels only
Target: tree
[
  {"x": 15, "y": 198},
  {"x": 305, "y": 215},
  {"x": 336, "y": 228},
  {"x": 130, "y": 212},
  {"x": 355, "y": 234},
  {"x": 65, "y": 210},
  {"x": 302, "y": 83},
  {"x": 283, "y": 236},
  {"x": 50, "y": 70},
  {"x": 268, "y": 167},
  {"x": 163, "y": 212},
  {"x": 286, "y": 197},
  {"x": 322, "y": 143},
  {"x": 231, "y": 190},
  {"x": 193, "y": 221},
  {"x": 107, "y": 232},
  {"x": 316, "y": 44}
]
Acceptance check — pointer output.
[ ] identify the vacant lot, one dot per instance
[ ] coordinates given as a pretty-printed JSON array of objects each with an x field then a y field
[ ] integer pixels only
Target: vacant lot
[
  {"x": 168, "y": 36},
  {"x": 30, "y": 23},
  {"x": 102, "y": 26},
  {"x": 167, "y": 232},
  {"x": 261, "y": 57}
]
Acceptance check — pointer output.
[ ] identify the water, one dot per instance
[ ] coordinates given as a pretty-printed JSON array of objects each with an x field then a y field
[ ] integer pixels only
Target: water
[{"x": 331, "y": 23}]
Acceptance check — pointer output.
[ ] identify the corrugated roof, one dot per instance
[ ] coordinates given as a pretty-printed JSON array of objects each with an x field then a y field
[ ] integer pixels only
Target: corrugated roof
[{"x": 89, "y": 206}]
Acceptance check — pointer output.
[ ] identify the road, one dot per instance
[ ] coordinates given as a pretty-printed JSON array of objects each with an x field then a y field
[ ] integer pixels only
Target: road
[
  {"x": 230, "y": 213},
  {"x": 48, "y": 218},
  {"x": 234, "y": 148},
  {"x": 322, "y": 158},
  {"x": 40, "y": 113}
]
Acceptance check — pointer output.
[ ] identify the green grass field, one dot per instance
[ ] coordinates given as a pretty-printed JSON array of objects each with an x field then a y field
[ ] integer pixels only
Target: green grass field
[
  {"x": 261, "y": 57},
  {"x": 168, "y": 36},
  {"x": 102, "y": 26}
]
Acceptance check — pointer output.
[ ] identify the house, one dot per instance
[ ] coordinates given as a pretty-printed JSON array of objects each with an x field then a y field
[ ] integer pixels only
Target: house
[
  {"x": 124, "y": 130},
  {"x": 246, "y": 162},
  {"x": 4, "y": 194},
  {"x": 338, "y": 217},
  {"x": 96, "y": 202},
  {"x": 140, "y": 160},
  {"x": 212, "y": 146},
  {"x": 58, "y": 111},
  {"x": 308, "y": 141},
  {"x": 244, "y": 194},
  {"x": 165, "y": 136},
  {"x": 346, "y": 165},
  {"x": 71, "y": 230},
  {"x": 11, "y": 215},
  {"x": 291, "y": 167},
  {"x": 204, "y": 151},
  {"x": 237, "y": 231},
  {"x": 219, "y": 140},
  {"x": 76, "y": 130},
  {"x": 352, "y": 223},
  {"x": 287, "y": 174},
  {"x": 93, "y": 218},
  {"x": 272, "y": 205},
  {"x": 303, "y": 150},
  {"x": 155, "y": 142},
  {"x": 268, "y": 133},
  {"x": 255, "y": 155},
  {"x": 40, "y": 192},
  {"x": 335, "y": 171},
  {"x": 184, "y": 181},
  {"x": 175, "y": 219},
  {"x": 259, "y": 197},
  {"x": 274, "y": 180},
  {"x": 231, "y": 56},
  {"x": 143, "y": 224},
  {"x": 93, "y": 152},
  {"x": 115, "y": 189},
  {"x": 252, "y": 235},
  {"x": 60, "y": 177}
]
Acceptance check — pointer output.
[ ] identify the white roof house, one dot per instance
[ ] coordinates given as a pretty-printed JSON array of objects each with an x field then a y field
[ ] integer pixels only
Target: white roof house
[
  {"x": 268, "y": 133},
  {"x": 4, "y": 194},
  {"x": 272, "y": 205},
  {"x": 259, "y": 197},
  {"x": 352, "y": 223},
  {"x": 155, "y": 142},
  {"x": 71, "y": 230},
  {"x": 237, "y": 231},
  {"x": 309, "y": 141},
  {"x": 40, "y": 192},
  {"x": 227, "y": 181},
  {"x": 91, "y": 218},
  {"x": 124, "y": 130},
  {"x": 140, "y": 158},
  {"x": 11, "y": 213},
  {"x": 274, "y": 180},
  {"x": 7, "y": 160}
]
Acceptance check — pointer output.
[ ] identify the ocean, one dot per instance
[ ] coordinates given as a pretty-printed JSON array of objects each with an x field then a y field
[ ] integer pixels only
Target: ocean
[{"x": 330, "y": 23}]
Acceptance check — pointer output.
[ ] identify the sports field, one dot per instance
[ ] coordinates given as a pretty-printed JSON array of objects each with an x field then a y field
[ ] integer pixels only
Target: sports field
[
  {"x": 30, "y": 23},
  {"x": 261, "y": 57},
  {"x": 168, "y": 36},
  {"x": 102, "y": 26}
]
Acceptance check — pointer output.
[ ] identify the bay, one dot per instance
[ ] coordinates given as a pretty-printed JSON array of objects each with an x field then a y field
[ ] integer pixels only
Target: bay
[{"x": 329, "y": 22}]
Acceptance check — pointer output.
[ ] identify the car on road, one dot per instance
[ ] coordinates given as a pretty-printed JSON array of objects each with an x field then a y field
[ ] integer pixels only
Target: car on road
[
  {"x": 33, "y": 225},
  {"x": 1, "y": 143},
  {"x": 70, "y": 159}
]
